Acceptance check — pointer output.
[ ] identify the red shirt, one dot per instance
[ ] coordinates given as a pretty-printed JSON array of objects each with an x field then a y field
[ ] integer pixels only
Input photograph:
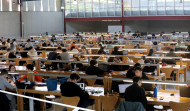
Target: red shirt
[{"x": 37, "y": 78}]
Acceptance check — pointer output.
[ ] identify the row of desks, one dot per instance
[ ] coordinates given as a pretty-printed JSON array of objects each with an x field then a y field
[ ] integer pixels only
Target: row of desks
[{"x": 151, "y": 100}]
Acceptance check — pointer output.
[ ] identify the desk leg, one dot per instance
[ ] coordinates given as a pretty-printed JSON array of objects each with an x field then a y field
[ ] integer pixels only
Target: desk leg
[
  {"x": 177, "y": 78},
  {"x": 164, "y": 79},
  {"x": 97, "y": 104},
  {"x": 185, "y": 74},
  {"x": 20, "y": 102},
  {"x": 42, "y": 104}
]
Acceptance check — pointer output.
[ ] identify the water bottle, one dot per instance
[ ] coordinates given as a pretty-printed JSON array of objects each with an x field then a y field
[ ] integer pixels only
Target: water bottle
[
  {"x": 75, "y": 67},
  {"x": 155, "y": 91},
  {"x": 155, "y": 72}
]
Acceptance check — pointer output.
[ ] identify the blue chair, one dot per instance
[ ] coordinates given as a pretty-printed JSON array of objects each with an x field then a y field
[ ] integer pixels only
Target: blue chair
[
  {"x": 63, "y": 80},
  {"x": 51, "y": 84}
]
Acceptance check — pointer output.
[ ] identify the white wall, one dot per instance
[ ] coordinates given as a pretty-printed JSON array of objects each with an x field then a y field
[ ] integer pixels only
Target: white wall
[
  {"x": 36, "y": 23},
  {"x": 10, "y": 24}
]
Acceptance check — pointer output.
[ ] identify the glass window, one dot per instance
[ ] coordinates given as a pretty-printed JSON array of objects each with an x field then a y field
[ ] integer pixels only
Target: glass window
[
  {"x": 161, "y": 7},
  {"x": 111, "y": 7},
  {"x": 170, "y": 7},
  {"x": 74, "y": 12},
  {"x": 152, "y": 7},
  {"x": 52, "y": 5},
  {"x": 127, "y": 7},
  {"x": 88, "y": 5},
  {"x": 187, "y": 7},
  {"x": 81, "y": 8},
  {"x": 67, "y": 8},
  {"x": 179, "y": 7},
  {"x": 143, "y": 7},
  {"x": 5, "y": 5},
  {"x": 103, "y": 8},
  {"x": 95, "y": 12},
  {"x": 37, "y": 5},
  {"x": 135, "y": 8},
  {"x": 118, "y": 11}
]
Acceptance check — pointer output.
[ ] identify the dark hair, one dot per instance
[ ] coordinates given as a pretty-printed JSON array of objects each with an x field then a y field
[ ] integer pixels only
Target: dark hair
[
  {"x": 136, "y": 79},
  {"x": 137, "y": 65},
  {"x": 30, "y": 67},
  {"x": 101, "y": 48},
  {"x": 100, "y": 45},
  {"x": 150, "y": 52},
  {"x": 4, "y": 71},
  {"x": 138, "y": 68},
  {"x": 116, "y": 48},
  {"x": 28, "y": 40},
  {"x": 74, "y": 76},
  {"x": 30, "y": 48},
  {"x": 73, "y": 47},
  {"x": 155, "y": 43},
  {"x": 10, "y": 67},
  {"x": 93, "y": 62},
  {"x": 64, "y": 50},
  {"x": 8, "y": 49},
  {"x": 147, "y": 61},
  {"x": 171, "y": 50},
  {"x": 59, "y": 48}
]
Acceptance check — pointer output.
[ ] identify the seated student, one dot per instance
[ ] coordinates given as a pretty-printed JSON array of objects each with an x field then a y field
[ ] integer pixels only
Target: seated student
[
  {"x": 53, "y": 56},
  {"x": 130, "y": 73},
  {"x": 142, "y": 75},
  {"x": 83, "y": 50},
  {"x": 142, "y": 60},
  {"x": 116, "y": 52},
  {"x": 12, "y": 77},
  {"x": 93, "y": 70},
  {"x": 170, "y": 54},
  {"x": 29, "y": 69},
  {"x": 78, "y": 65},
  {"x": 139, "y": 73},
  {"x": 101, "y": 51},
  {"x": 53, "y": 43},
  {"x": 7, "y": 53},
  {"x": 32, "y": 52},
  {"x": 73, "y": 44},
  {"x": 135, "y": 93},
  {"x": 4, "y": 84},
  {"x": 70, "y": 89},
  {"x": 115, "y": 67},
  {"x": 64, "y": 55},
  {"x": 74, "y": 49},
  {"x": 29, "y": 44},
  {"x": 148, "y": 68},
  {"x": 137, "y": 46}
]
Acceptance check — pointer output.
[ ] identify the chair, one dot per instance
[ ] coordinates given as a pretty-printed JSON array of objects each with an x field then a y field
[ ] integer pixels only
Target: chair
[
  {"x": 179, "y": 106},
  {"x": 130, "y": 106},
  {"x": 91, "y": 82},
  {"x": 108, "y": 102},
  {"x": 70, "y": 101},
  {"x": 167, "y": 72}
]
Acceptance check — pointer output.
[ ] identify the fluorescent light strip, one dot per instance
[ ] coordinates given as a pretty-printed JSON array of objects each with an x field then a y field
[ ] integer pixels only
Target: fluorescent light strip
[
  {"x": 26, "y": 6},
  {"x": 55, "y": 5},
  {"x": 34, "y": 6},
  {"x": 161, "y": 82},
  {"x": 1, "y": 5},
  {"x": 41, "y": 6},
  {"x": 48, "y": 6},
  {"x": 10, "y": 5}
]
